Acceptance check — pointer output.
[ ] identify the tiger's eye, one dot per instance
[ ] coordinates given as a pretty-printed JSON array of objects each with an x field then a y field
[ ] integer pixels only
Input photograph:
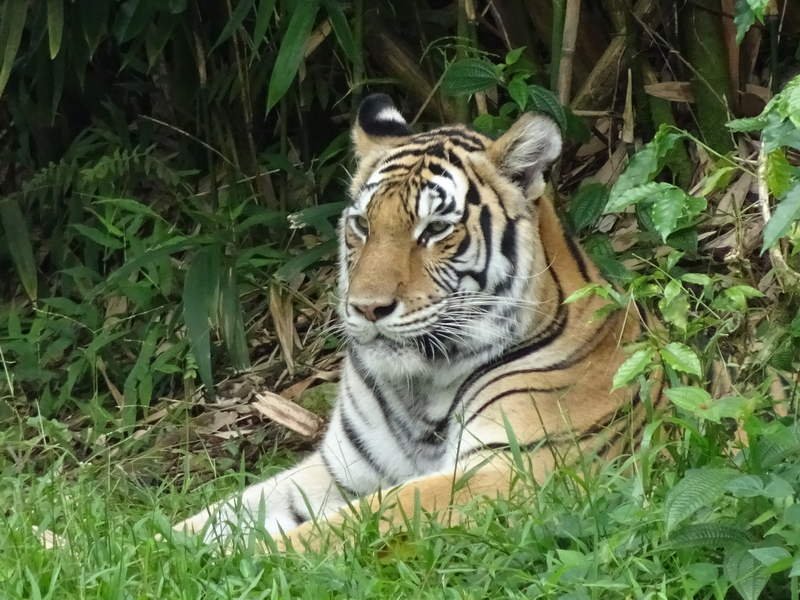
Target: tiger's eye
[
  {"x": 360, "y": 223},
  {"x": 433, "y": 229},
  {"x": 437, "y": 227}
]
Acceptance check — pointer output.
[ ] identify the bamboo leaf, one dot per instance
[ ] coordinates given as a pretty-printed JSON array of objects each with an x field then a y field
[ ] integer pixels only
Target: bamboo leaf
[
  {"x": 699, "y": 488},
  {"x": 19, "y": 245},
  {"x": 787, "y": 212},
  {"x": 12, "y": 24},
  {"x": 301, "y": 262},
  {"x": 341, "y": 29},
  {"x": 230, "y": 320},
  {"x": 97, "y": 236},
  {"x": 55, "y": 25},
  {"x": 263, "y": 19},
  {"x": 237, "y": 17},
  {"x": 199, "y": 290},
  {"x": 469, "y": 75},
  {"x": 290, "y": 54}
]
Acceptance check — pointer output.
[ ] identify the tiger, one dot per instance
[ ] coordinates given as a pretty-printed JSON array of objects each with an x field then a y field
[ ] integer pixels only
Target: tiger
[{"x": 454, "y": 269}]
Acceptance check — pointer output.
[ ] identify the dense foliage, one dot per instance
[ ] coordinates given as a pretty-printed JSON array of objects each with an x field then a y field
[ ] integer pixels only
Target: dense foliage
[{"x": 170, "y": 175}]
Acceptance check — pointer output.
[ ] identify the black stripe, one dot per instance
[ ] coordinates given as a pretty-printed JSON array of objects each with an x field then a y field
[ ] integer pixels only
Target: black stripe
[
  {"x": 434, "y": 149},
  {"x": 511, "y": 392},
  {"x": 437, "y": 170},
  {"x": 473, "y": 197},
  {"x": 454, "y": 132},
  {"x": 358, "y": 444},
  {"x": 372, "y": 385},
  {"x": 296, "y": 514},
  {"x": 577, "y": 256},
  {"x": 337, "y": 482},
  {"x": 480, "y": 276},
  {"x": 553, "y": 330}
]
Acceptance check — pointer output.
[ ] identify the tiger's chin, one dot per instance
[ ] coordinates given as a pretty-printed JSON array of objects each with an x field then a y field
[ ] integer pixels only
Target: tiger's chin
[{"x": 427, "y": 356}]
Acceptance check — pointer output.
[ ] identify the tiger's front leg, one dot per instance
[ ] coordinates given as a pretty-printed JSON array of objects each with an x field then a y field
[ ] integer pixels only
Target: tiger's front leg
[
  {"x": 442, "y": 496},
  {"x": 281, "y": 503}
]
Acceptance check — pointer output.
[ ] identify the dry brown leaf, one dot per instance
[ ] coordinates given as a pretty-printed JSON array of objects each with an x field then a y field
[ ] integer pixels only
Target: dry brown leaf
[
  {"x": 674, "y": 91},
  {"x": 287, "y": 413},
  {"x": 282, "y": 311}
]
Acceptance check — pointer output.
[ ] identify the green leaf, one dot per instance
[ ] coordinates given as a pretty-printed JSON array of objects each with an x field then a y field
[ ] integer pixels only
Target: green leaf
[
  {"x": 231, "y": 321},
  {"x": 545, "y": 101},
  {"x": 646, "y": 163},
  {"x": 692, "y": 399},
  {"x": 717, "y": 180},
  {"x": 237, "y": 17},
  {"x": 304, "y": 260},
  {"x": 746, "y": 486},
  {"x": 745, "y": 573},
  {"x": 667, "y": 208},
  {"x": 699, "y": 488},
  {"x": 263, "y": 18},
  {"x": 708, "y": 535},
  {"x": 780, "y": 173},
  {"x": 748, "y": 124},
  {"x": 518, "y": 90},
  {"x": 199, "y": 290},
  {"x": 513, "y": 56},
  {"x": 341, "y": 29},
  {"x": 674, "y": 305},
  {"x": 12, "y": 24},
  {"x": 94, "y": 20},
  {"x": 681, "y": 358},
  {"x": 55, "y": 25},
  {"x": 586, "y": 206},
  {"x": 469, "y": 75},
  {"x": 633, "y": 366},
  {"x": 635, "y": 195},
  {"x": 787, "y": 212},
  {"x": 19, "y": 245},
  {"x": 291, "y": 51},
  {"x": 97, "y": 236}
]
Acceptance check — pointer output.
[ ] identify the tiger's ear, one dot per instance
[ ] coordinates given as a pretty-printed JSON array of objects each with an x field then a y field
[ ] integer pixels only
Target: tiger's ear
[
  {"x": 526, "y": 150},
  {"x": 379, "y": 126}
]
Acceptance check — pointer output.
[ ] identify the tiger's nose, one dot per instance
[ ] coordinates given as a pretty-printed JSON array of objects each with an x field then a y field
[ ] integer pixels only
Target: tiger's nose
[{"x": 374, "y": 310}]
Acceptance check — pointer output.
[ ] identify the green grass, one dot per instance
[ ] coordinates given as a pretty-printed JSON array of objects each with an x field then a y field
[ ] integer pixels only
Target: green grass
[{"x": 596, "y": 536}]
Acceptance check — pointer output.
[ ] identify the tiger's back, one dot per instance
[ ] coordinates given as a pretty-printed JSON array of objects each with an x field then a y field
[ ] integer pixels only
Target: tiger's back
[{"x": 454, "y": 268}]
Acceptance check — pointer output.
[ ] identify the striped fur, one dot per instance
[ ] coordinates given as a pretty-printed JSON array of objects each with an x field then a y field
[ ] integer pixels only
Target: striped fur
[{"x": 454, "y": 267}]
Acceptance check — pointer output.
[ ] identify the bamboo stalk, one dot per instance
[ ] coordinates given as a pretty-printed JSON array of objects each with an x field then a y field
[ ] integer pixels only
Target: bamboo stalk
[
  {"x": 703, "y": 47},
  {"x": 598, "y": 87},
  {"x": 572, "y": 17}
]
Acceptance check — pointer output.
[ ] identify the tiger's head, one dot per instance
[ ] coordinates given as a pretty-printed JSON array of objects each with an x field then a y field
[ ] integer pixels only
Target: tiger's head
[{"x": 439, "y": 248}]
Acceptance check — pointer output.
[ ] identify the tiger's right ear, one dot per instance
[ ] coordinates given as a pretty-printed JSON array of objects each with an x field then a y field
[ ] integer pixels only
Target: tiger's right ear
[{"x": 379, "y": 126}]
